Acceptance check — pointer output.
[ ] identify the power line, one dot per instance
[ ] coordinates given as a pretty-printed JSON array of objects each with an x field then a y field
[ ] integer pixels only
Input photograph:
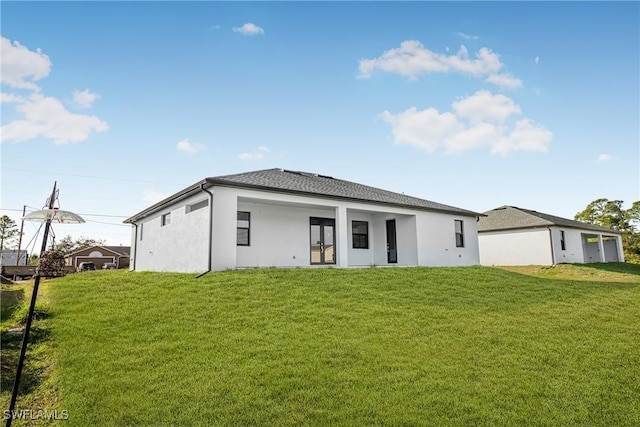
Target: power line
[
  {"x": 81, "y": 214},
  {"x": 90, "y": 176},
  {"x": 108, "y": 223},
  {"x": 82, "y": 195},
  {"x": 106, "y": 216}
]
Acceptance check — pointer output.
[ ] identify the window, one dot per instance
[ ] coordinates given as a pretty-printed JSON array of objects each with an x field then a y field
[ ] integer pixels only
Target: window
[
  {"x": 165, "y": 219},
  {"x": 563, "y": 244},
  {"x": 360, "y": 231},
  {"x": 198, "y": 205},
  {"x": 459, "y": 233},
  {"x": 141, "y": 228},
  {"x": 244, "y": 225}
]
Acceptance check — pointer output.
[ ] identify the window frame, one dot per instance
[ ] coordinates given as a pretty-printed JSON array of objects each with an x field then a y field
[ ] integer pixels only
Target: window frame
[
  {"x": 165, "y": 219},
  {"x": 359, "y": 235},
  {"x": 460, "y": 241},
  {"x": 563, "y": 241},
  {"x": 248, "y": 228},
  {"x": 197, "y": 206}
]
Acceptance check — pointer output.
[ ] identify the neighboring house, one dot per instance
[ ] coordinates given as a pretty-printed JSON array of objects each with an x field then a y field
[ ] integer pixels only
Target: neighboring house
[
  {"x": 513, "y": 236},
  {"x": 10, "y": 256},
  {"x": 285, "y": 218},
  {"x": 100, "y": 255}
]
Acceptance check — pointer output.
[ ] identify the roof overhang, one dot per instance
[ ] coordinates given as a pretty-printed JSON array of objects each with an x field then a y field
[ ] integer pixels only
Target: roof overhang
[
  {"x": 215, "y": 182},
  {"x": 544, "y": 227},
  {"x": 176, "y": 197}
]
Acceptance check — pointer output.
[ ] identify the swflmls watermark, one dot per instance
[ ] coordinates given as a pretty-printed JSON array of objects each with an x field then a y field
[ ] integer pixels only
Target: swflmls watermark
[{"x": 39, "y": 414}]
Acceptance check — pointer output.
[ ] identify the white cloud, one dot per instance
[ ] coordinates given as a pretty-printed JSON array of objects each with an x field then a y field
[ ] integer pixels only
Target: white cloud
[
  {"x": 467, "y": 36},
  {"x": 412, "y": 59},
  {"x": 260, "y": 152},
  {"x": 484, "y": 106},
  {"x": 526, "y": 136},
  {"x": 41, "y": 116},
  {"x": 249, "y": 29},
  {"x": 424, "y": 129},
  {"x": 22, "y": 67},
  {"x": 504, "y": 80},
  {"x": 475, "y": 136},
  {"x": 46, "y": 117},
  {"x": 605, "y": 158},
  {"x": 84, "y": 98},
  {"x": 189, "y": 147},
  {"x": 536, "y": 60},
  {"x": 8, "y": 98},
  {"x": 480, "y": 120},
  {"x": 153, "y": 196}
]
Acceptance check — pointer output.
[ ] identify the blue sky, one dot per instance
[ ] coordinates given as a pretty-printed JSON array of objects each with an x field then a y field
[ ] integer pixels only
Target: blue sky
[{"x": 475, "y": 105}]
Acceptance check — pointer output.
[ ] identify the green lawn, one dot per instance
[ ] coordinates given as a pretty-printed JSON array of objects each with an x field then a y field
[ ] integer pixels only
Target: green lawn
[{"x": 376, "y": 346}]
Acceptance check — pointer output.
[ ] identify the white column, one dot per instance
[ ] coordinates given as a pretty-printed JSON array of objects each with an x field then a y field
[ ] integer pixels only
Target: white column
[
  {"x": 620, "y": 249},
  {"x": 600, "y": 248},
  {"x": 342, "y": 236},
  {"x": 223, "y": 245}
]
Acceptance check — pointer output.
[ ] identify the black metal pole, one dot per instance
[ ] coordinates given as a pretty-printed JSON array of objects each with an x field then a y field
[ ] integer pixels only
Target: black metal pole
[{"x": 34, "y": 295}]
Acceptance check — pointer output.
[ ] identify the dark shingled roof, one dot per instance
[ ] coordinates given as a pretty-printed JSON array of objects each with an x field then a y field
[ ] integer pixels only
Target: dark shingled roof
[
  {"x": 310, "y": 184},
  {"x": 511, "y": 217},
  {"x": 122, "y": 250},
  {"x": 282, "y": 180}
]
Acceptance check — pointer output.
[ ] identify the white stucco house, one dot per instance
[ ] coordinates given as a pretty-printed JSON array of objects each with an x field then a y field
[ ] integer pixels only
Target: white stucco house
[
  {"x": 509, "y": 235},
  {"x": 282, "y": 218}
]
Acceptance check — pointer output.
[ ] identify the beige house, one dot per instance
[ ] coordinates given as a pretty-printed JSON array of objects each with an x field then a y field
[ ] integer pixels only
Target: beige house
[{"x": 100, "y": 255}]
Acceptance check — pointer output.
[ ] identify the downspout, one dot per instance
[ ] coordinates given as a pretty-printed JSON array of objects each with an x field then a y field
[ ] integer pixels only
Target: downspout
[
  {"x": 210, "y": 230},
  {"x": 135, "y": 248},
  {"x": 553, "y": 255}
]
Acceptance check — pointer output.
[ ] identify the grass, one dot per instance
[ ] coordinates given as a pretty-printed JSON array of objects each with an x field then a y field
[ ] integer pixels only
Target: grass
[
  {"x": 11, "y": 298},
  {"x": 609, "y": 272},
  {"x": 403, "y": 346},
  {"x": 37, "y": 388}
]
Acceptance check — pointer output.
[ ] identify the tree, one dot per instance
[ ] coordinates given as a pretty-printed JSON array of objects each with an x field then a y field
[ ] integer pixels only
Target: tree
[
  {"x": 605, "y": 213},
  {"x": 8, "y": 231},
  {"x": 633, "y": 216},
  {"x": 610, "y": 214},
  {"x": 68, "y": 245}
]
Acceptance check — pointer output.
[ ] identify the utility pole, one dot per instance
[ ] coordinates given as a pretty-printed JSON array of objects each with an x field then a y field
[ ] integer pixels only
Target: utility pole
[
  {"x": 34, "y": 295},
  {"x": 47, "y": 216},
  {"x": 24, "y": 210}
]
